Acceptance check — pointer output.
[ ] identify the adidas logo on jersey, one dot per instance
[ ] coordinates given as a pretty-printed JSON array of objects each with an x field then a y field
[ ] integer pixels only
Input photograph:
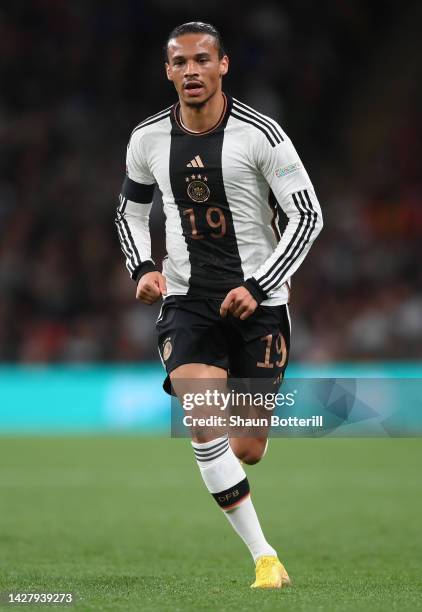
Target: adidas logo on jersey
[{"x": 196, "y": 162}]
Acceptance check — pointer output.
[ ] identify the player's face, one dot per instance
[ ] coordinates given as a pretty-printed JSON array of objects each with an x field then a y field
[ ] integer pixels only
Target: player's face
[{"x": 195, "y": 68}]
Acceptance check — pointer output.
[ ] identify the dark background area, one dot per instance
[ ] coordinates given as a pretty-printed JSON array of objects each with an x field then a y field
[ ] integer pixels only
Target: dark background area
[{"x": 342, "y": 78}]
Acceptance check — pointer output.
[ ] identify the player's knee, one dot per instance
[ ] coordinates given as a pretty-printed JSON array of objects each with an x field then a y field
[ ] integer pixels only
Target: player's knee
[
  {"x": 252, "y": 457},
  {"x": 253, "y": 453}
]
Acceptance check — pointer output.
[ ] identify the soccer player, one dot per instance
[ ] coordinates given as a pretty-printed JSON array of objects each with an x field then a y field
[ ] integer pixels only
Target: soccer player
[{"x": 241, "y": 215}]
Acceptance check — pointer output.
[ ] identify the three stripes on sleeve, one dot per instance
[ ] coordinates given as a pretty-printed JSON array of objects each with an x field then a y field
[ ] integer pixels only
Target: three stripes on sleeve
[{"x": 288, "y": 255}]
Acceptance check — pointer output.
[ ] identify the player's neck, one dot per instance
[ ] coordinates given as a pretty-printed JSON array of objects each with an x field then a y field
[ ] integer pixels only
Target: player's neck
[{"x": 203, "y": 118}]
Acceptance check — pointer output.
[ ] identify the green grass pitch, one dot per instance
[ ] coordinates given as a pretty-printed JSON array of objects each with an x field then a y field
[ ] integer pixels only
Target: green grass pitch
[{"x": 127, "y": 525}]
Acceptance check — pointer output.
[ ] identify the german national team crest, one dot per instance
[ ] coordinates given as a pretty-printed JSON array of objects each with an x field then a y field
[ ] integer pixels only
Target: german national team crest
[
  {"x": 167, "y": 348},
  {"x": 198, "y": 190}
]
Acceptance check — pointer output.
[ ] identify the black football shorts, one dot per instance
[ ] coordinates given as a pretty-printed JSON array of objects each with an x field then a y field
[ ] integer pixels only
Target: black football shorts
[{"x": 191, "y": 330}]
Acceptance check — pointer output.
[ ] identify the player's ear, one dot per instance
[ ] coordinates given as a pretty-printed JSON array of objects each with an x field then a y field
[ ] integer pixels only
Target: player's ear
[
  {"x": 224, "y": 65},
  {"x": 168, "y": 71}
]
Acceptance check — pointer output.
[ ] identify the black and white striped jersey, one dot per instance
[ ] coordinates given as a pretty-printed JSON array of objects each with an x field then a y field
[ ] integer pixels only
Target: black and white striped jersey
[{"x": 240, "y": 208}]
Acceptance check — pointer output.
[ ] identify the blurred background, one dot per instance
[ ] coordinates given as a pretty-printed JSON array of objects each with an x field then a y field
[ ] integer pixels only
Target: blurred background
[{"x": 342, "y": 78}]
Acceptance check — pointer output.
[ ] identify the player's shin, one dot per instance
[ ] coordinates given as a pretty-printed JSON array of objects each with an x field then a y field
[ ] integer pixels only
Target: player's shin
[{"x": 226, "y": 480}]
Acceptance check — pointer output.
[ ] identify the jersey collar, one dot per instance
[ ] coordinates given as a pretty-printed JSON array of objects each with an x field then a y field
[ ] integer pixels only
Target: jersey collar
[{"x": 221, "y": 123}]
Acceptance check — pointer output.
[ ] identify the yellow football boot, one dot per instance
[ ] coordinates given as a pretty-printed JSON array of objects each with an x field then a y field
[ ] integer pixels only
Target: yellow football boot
[{"x": 270, "y": 574}]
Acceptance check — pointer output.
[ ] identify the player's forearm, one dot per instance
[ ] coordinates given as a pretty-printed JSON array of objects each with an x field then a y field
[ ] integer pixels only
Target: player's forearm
[
  {"x": 135, "y": 241},
  {"x": 305, "y": 223},
  {"x": 132, "y": 221}
]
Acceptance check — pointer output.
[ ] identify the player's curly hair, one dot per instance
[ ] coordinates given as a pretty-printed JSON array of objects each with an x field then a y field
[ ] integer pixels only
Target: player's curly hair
[{"x": 197, "y": 27}]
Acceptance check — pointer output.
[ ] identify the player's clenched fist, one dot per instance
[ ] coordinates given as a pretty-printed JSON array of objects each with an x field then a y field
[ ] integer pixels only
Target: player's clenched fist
[
  {"x": 151, "y": 287},
  {"x": 239, "y": 302}
]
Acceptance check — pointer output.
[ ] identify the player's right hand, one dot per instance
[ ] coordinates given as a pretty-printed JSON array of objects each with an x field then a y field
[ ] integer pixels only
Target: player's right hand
[{"x": 151, "y": 286}]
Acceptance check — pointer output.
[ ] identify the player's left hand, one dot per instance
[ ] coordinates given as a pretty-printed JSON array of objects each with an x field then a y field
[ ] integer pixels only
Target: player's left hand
[{"x": 239, "y": 302}]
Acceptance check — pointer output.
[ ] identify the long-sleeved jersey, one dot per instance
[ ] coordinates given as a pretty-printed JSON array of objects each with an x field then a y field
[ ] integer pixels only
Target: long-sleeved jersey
[{"x": 240, "y": 208}]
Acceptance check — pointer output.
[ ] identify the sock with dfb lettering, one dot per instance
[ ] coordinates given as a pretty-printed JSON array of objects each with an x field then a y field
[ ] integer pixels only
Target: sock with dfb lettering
[{"x": 226, "y": 480}]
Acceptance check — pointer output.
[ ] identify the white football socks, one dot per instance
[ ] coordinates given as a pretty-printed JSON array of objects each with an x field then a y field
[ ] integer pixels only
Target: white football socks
[{"x": 226, "y": 480}]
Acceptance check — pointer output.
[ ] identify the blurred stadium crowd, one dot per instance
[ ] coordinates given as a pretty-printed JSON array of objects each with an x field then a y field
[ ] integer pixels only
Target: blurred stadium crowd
[{"x": 77, "y": 76}]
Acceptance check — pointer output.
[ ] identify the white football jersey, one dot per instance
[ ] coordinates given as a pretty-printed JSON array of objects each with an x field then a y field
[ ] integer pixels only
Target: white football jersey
[{"x": 240, "y": 208}]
